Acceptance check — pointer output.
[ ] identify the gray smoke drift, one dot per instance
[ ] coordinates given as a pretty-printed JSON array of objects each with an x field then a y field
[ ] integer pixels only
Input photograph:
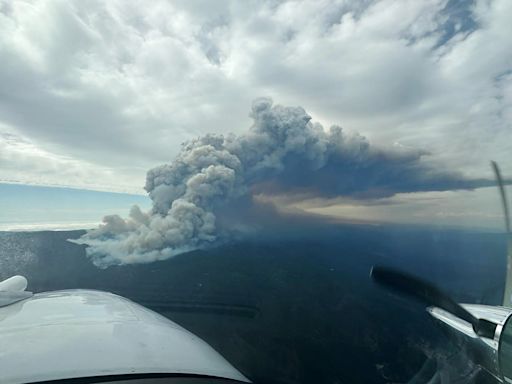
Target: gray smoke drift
[{"x": 215, "y": 176}]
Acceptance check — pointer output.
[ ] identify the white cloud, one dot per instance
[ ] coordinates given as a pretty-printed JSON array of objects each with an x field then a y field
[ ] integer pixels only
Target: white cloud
[{"x": 23, "y": 162}]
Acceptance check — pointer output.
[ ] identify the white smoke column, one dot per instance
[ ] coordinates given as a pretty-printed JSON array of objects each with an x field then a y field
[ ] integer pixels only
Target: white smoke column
[{"x": 283, "y": 151}]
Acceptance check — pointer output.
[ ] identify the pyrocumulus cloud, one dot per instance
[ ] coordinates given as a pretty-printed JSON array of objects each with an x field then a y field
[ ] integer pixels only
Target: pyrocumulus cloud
[{"x": 283, "y": 153}]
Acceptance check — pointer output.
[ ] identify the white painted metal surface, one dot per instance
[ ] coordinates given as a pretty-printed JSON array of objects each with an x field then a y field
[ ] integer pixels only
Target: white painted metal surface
[
  {"x": 13, "y": 290},
  {"x": 485, "y": 349},
  {"x": 14, "y": 283},
  {"x": 81, "y": 333},
  {"x": 497, "y": 315}
]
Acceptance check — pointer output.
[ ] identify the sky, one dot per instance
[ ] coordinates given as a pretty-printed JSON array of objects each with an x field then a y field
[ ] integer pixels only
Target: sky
[
  {"x": 34, "y": 208},
  {"x": 95, "y": 93}
]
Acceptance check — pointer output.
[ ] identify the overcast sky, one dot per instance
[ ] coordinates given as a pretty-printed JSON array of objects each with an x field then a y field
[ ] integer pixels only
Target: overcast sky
[{"x": 94, "y": 93}]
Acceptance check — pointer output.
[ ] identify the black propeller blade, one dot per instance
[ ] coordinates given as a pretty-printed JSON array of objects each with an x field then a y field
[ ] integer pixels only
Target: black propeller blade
[{"x": 430, "y": 295}]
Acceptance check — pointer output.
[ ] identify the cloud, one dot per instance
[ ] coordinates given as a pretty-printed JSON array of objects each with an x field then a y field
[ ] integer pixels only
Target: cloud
[
  {"x": 120, "y": 85},
  {"x": 103, "y": 91},
  {"x": 24, "y": 162},
  {"x": 202, "y": 197}
]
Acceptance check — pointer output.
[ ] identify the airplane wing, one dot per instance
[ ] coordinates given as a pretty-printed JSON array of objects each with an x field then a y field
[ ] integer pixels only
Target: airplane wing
[{"x": 95, "y": 336}]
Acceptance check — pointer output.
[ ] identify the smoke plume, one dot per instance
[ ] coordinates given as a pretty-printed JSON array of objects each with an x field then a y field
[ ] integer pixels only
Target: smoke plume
[{"x": 197, "y": 197}]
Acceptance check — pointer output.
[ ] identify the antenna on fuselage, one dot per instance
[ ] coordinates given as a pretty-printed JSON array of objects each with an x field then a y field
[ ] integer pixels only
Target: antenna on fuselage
[{"x": 507, "y": 294}]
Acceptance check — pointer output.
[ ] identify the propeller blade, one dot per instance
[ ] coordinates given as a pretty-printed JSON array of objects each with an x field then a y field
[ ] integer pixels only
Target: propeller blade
[
  {"x": 507, "y": 294},
  {"x": 504, "y": 201},
  {"x": 430, "y": 295}
]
